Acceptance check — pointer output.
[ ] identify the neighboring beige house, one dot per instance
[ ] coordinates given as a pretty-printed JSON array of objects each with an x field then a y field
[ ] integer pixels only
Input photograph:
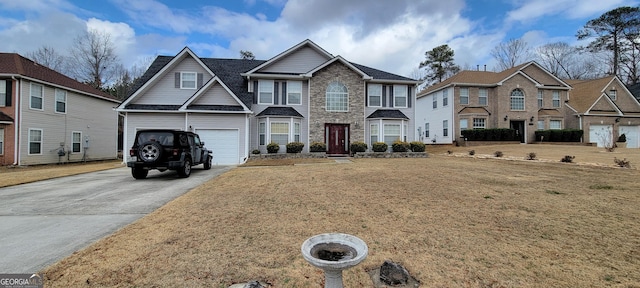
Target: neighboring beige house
[
  {"x": 525, "y": 98},
  {"x": 303, "y": 94},
  {"x": 604, "y": 108},
  {"x": 46, "y": 117}
]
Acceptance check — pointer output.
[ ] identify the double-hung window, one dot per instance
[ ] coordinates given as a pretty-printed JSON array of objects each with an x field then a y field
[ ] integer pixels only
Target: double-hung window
[
  {"x": 435, "y": 101},
  {"x": 3, "y": 93},
  {"x": 188, "y": 80},
  {"x": 555, "y": 124},
  {"x": 540, "y": 124},
  {"x": 426, "y": 130},
  {"x": 517, "y": 100},
  {"x": 464, "y": 124},
  {"x": 296, "y": 132},
  {"x": 294, "y": 92},
  {"x": 613, "y": 94},
  {"x": 556, "y": 99},
  {"x": 76, "y": 142},
  {"x": 483, "y": 95},
  {"x": 464, "y": 96},
  {"x": 445, "y": 97},
  {"x": 540, "y": 98},
  {"x": 280, "y": 132},
  {"x": 479, "y": 123},
  {"x": 35, "y": 101},
  {"x": 265, "y": 92},
  {"x": 391, "y": 133},
  {"x": 337, "y": 97},
  {"x": 375, "y": 95},
  {"x": 400, "y": 96},
  {"x": 35, "y": 141},
  {"x": 374, "y": 133},
  {"x": 262, "y": 133},
  {"x": 61, "y": 101},
  {"x": 1, "y": 141},
  {"x": 445, "y": 128}
]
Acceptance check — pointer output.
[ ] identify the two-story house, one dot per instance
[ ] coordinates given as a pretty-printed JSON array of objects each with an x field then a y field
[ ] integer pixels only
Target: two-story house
[
  {"x": 47, "y": 117},
  {"x": 525, "y": 98},
  {"x": 303, "y": 94}
]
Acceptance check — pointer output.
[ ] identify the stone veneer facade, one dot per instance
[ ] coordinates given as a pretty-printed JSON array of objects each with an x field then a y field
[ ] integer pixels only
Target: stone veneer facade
[{"x": 318, "y": 116}]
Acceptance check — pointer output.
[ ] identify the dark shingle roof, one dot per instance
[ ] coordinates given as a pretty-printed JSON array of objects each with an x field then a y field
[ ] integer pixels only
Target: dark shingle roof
[
  {"x": 12, "y": 63},
  {"x": 635, "y": 90},
  {"x": 280, "y": 111},
  {"x": 5, "y": 118},
  {"x": 387, "y": 114},
  {"x": 381, "y": 75}
]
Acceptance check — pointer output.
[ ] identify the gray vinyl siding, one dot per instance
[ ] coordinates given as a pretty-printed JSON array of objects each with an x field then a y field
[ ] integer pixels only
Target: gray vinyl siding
[
  {"x": 216, "y": 95},
  {"x": 301, "y": 61},
  {"x": 92, "y": 117},
  {"x": 164, "y": 91},
  {"x": 303, "y": 109}
]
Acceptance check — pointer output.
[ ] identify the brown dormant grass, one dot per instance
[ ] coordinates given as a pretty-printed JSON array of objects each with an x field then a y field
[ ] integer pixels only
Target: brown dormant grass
[
  {"x": 12, "y": 175},
  {"x": 451, "y": 221}
]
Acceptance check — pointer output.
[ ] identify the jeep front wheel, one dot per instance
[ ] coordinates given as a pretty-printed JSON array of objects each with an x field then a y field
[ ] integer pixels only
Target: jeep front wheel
[
  {"x": 185, "y": 170},
  {"x": 139, "y": 173}
]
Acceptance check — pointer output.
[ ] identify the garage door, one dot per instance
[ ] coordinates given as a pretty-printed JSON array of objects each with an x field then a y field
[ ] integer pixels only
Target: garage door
[
  {"x": 632, "y": 133},
  {"x": 600, "y": 134},
  {"x": 223, "y": 143}
]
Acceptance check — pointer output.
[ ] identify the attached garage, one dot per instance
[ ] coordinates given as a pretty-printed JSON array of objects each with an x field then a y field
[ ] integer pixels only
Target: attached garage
[
  {"x": 600, "y": 134},
  {"x": 224, "y": 143},
  {"x": 632, "y": 133}
]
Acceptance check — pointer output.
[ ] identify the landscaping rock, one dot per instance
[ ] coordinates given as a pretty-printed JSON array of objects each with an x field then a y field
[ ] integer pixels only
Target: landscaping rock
[
  {"x": 251, "y": 284},
  {"x": 391, "y": 274}
]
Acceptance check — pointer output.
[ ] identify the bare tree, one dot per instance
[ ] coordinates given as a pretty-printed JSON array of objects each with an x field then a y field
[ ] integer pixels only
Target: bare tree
[
  {"x": 247, "y": 55},
  {"x": 566, "y": 61},
  {"x": 49, "y": 57},
  {"x": 94, "y": 59},
  {"x": 512, "y": 53}
]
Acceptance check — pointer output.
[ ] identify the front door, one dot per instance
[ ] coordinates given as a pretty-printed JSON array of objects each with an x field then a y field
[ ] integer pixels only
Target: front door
[
  {"x": 338, "y": 138},
  {"x": 519, "y": 127}
]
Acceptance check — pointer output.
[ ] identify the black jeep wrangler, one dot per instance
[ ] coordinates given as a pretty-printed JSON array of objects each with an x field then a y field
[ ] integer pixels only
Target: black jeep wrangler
[{"x": 167, "y": 150}]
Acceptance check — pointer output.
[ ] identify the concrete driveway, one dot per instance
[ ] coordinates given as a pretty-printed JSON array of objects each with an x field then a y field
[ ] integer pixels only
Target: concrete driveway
[{"x": 43, "y": 222}]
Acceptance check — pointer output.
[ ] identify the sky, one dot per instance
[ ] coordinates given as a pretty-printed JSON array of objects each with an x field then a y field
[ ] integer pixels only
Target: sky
[{"x": 391, "y": 35}]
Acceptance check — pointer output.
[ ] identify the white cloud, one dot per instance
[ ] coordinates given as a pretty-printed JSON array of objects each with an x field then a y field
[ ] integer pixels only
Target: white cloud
[{"x": 535, "y": 9}]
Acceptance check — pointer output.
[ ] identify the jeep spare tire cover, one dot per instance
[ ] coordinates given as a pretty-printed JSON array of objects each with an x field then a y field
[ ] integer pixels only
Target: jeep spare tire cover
[{"x": 150, "y": 151}]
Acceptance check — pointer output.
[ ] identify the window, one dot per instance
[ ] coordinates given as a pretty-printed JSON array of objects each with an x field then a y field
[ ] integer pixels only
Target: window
[
  {"x": 35, "y": 101},
  {"x": 294, "y": 92},
  {"x": 400, "y": 96},
  {"x": 540, "y": 124},
  {"x": 61, "y": 101},
  {"x": 517, "y": 100},
  {"x": 76, "y": 142},
  {"x": 1, "y": 141},
  {"x": 464, "y": 124},
  {"x": 556, "y": 99},
  {"x": 445, "y": 128},
  {"x": 483, "y": 95},
  {"x": 375, "y": 95},
  {"x": 540, "y": 99},
  {"x": 445, "y": 98},
  {"x": 479, "y": 123},
  {"x": 188, "y": 80},
  {"x": 280, "y": 132},
  {"x": 426, "y": 130},
  {"x": 3, "y": 93},
  {"x": 613, "y": 94},
  {"x": 35, "y": 141},
  {"x": 435, "y": 101},
  {"x": 337, "y": 97},
  {"x": 464, "y": 96},
  {"x": 262, "y": 133},
  {"x": 555, "y": 124},
  {"x": 391, "y": 133},
  {"x": 296, "y": 132},
  {"x": 265, "y": 92},
  {"x": 374, "y": 133}
]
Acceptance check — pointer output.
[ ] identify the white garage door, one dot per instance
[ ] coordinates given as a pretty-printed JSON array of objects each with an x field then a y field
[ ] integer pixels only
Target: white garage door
[
  {"x": 600, "y": 134},
  {"x": 223, "y": 143},
  {"x": 632, "y": 133}
]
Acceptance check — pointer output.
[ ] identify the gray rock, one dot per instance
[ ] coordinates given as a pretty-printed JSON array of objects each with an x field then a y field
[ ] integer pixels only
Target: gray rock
[{"x": 393, "y": 274}]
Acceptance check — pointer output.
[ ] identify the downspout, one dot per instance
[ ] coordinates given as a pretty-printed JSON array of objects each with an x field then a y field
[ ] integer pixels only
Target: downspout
[{"x": 16, "y": 133}]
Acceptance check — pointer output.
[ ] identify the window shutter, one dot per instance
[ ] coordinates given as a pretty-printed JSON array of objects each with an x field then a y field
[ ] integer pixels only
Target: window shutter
[
  {"x": 200, "y": 80},
  {"x": 366, "y": 95},
  {"x": 255, "y": 92},
  {"x": 409, "y": 96},
  {"x": 284, "y": 92},
  {"x": 384, "y": 95},
  {"x": 177, "y": 78},
  {"x": 276, "y": 95},
  {"x": 391, "y": 96},
  {"x": 8, "y": 91}
]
